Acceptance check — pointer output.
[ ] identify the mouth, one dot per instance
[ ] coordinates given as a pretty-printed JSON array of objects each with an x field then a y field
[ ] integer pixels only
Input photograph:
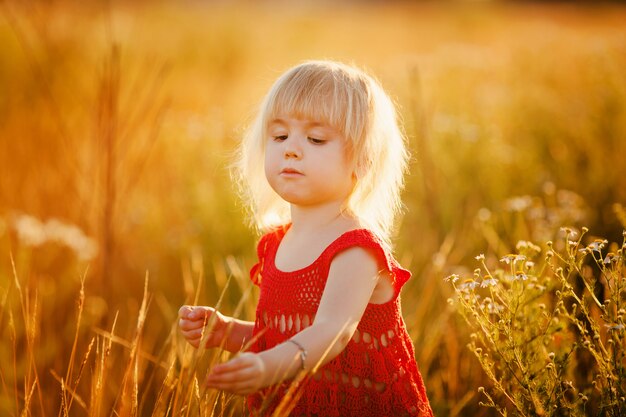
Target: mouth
[{"x": 290, "y": 171}]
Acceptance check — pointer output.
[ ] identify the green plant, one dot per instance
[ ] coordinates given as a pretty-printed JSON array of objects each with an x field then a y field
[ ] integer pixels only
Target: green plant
[{"x": 548, "y": 326}]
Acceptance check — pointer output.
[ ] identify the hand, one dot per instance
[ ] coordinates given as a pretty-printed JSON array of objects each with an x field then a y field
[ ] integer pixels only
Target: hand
[
  {"x": 193, "y": 321},
  {"x": 242, "y": 375}
]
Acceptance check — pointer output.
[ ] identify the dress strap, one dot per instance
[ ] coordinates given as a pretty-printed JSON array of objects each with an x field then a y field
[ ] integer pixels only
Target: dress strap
[
  {"x": 367, "y": 239},
  {"x": 267, "y": 243}
]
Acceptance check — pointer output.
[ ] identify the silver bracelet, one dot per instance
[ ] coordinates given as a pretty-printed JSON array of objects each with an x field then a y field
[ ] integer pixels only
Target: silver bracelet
[{"x": 302, "y": 350}]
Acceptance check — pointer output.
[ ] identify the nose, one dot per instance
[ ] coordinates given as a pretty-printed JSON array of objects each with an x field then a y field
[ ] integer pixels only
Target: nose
[{"x": 292, "y": 148}]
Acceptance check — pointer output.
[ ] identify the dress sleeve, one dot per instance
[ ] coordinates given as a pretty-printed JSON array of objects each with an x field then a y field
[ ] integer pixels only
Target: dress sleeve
[{"x": 368, "y": 240}]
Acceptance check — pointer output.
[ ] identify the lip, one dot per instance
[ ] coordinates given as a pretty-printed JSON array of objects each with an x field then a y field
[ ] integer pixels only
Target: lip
[{"x": 290, "y": 172}]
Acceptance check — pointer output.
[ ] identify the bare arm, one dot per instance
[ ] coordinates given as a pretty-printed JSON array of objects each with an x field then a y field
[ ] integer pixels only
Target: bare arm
[
  {"x": 217, "y": 328},
  {"x": 352, "y": 277}
]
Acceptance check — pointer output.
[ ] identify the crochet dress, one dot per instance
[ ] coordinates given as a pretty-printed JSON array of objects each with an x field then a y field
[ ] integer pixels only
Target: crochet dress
[{"x": 375, "y": 375}]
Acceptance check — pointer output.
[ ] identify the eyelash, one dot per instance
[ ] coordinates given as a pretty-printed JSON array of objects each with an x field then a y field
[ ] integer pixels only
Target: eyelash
[{"x": 314, "y": 141}]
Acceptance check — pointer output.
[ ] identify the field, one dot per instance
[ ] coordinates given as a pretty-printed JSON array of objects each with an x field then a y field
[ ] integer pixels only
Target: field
[{"x": 118, "y": 122}]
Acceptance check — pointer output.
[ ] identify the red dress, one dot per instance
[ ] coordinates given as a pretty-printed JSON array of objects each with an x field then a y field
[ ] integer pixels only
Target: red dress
[{"x": 375, "y": 375}]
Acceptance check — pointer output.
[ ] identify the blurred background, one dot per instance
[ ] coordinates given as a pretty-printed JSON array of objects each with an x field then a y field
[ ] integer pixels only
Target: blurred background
[{"x": 118, "y": 121}]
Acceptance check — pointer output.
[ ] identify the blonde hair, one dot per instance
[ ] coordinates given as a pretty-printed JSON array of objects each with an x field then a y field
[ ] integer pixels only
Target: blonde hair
[{"x": 355, "y": 104}]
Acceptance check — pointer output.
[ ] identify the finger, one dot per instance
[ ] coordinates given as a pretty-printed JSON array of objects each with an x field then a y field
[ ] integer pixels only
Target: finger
[
  {"x": 236, "y": 382},
  {"x": 193, "y": 342},
  {"x": 199, "y": 313},
  {"x": 194, "y": 312},
  {"x": 190, "y": 324},
  {"x": 233, "y": 365},
  {"x": 192, "y": 334},
  {"x": 229, "y": 379},
  {"x": 240, "y": 388},
  {"x": 184, "y": 311}
]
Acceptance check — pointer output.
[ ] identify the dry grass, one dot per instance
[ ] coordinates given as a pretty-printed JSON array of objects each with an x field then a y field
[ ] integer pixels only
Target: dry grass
[{"x": 119, "y": 120}]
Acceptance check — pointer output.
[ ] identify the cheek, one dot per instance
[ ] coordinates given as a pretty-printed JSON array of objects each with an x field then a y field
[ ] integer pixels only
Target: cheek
[
  {"x": 268, "y": 157},
  {"x": 271, "y": 164},
  {"x": 349, "y": 167},
  {"x": 268, "y": 165}
]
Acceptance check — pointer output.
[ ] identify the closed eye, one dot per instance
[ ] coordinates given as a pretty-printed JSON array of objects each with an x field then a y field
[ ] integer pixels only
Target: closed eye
[
  {"x": 280, "y": 138},
  {"x": 316, "y": 141}
]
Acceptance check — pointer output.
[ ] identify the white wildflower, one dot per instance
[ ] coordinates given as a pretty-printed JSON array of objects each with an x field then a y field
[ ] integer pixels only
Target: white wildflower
[
  {"x": 512, "y": 258},
  {"x": 597, "y": 245},
  {"x": 521, "y": 276},
  {"x": 490, "y": 282},
  {"x": 469, "y": 285},
  {"x": 452, "y": 278}
]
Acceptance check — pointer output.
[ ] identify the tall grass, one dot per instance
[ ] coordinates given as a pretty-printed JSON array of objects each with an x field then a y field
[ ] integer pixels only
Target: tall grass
[
  {"x": 117, "y": 123},
  {"x": 99, "y": 371}
]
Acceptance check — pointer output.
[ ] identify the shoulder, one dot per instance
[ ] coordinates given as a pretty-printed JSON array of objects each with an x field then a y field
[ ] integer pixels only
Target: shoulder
[
  {"x": 361, "y": 244},
  {"x": 356, "y": 261},
  {"x": 360, "y": 252}
]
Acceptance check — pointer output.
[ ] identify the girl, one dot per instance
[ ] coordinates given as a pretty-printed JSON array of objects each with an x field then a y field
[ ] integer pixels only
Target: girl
[{"x": 321, "y": 168}]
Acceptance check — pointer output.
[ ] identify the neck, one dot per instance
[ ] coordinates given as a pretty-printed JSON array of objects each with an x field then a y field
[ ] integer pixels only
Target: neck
[{"x": 307, "y": 218}]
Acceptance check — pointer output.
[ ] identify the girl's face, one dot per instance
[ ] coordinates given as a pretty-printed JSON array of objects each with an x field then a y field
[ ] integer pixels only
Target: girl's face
[{"x": 306, "y": 162}]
